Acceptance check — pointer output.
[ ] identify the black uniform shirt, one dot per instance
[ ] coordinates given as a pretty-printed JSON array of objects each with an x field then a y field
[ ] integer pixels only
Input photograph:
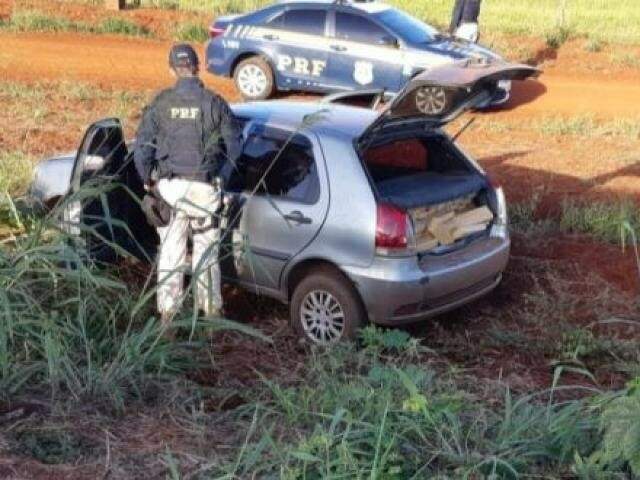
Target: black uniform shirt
[{"x": 162, "y": 143}]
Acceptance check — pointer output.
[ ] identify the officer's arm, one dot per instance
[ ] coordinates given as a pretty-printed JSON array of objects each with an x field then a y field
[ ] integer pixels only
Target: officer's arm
[
  {"x": 144, "y": 155},
  {"x": 229, "y": 130}
]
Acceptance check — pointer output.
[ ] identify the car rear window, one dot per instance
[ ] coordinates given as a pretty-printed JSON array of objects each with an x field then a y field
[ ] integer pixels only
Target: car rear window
[
  {"x": 304, "y": 21},
  {"x": 280, "y": 164},
  {"x": 359, "y": 29}
]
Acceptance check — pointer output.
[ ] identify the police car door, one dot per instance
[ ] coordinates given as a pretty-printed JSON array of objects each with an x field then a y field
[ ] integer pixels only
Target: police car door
[
  {"x": 284, "y": 203},
  {"x": 296, "y": 38},
  {"x": 363, "y": 53}
]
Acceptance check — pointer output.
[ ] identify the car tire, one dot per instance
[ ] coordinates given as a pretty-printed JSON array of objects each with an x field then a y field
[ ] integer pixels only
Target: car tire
[
  {"x": 254, "y": 79},
  {"x": 326, "y": 308}
]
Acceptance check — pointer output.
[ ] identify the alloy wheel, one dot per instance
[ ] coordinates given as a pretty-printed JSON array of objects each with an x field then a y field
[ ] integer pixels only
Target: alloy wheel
[
  {"x": 431, "y": 100},
  {"x": 322, "y": 317}
]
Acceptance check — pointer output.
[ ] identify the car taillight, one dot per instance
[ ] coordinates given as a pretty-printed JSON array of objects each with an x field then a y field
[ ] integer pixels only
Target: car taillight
[
  {"x": 215, "y": 31},
  {"x": 391, "y": 227}
]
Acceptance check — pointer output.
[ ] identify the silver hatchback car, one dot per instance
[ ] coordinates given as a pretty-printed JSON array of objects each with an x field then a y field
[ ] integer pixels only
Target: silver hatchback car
[{"x": 334, "y": 207}]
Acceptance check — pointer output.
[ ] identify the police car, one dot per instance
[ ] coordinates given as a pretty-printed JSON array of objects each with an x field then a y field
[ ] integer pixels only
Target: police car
[{"x": 329, "y": 46}]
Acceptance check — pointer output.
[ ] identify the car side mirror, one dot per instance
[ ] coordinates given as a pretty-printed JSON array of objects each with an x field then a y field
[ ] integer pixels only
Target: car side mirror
[{"x": 389, "y": 41}]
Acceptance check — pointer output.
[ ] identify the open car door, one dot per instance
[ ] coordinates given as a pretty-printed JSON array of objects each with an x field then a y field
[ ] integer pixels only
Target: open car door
[
  {"x": 104, "y": 205},
  {"x": 438, "y": 96}
]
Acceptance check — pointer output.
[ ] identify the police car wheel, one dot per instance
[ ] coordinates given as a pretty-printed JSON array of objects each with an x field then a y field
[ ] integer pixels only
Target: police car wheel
[
  {"x": 254, "y": 79},
  {"x": 325, "y": 308}
]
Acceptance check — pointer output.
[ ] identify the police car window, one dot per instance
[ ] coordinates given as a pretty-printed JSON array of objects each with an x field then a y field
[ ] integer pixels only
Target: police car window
[
  {"x": 277, "y": 164},
  {"x": 305, "y": 21},
  {"x": 359, "y": 29}
]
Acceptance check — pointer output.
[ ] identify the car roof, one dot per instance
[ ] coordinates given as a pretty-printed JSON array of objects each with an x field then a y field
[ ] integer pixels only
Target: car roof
[
  {"x": 335, "y": 120},
  {"x": 368, "y": 7}
]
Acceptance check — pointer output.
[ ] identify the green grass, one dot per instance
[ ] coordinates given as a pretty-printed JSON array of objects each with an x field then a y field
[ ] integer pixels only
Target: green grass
[
  {"x": 37, "y": 21},
  {"x": 577, "y": 125},
  {"x": 605, "y": 20},
  {"x": 121, "y": 26},
  {"x": 602, "y": 220},
  {"x": 191, "y": 32},
  {"x": 379, "y": 412},
  {"x": 34, "y": 20},
  {"x": 16, "y": 169}
]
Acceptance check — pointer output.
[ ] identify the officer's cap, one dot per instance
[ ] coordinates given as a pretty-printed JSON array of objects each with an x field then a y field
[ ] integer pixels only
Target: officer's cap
[{"x": 182, "y": 55}]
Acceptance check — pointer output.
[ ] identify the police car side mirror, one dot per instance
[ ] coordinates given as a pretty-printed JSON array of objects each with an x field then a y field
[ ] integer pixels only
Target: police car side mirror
[{"x": 389, "y": 41}]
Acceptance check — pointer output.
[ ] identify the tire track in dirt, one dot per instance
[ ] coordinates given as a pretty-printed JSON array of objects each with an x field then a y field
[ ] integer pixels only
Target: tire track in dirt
[{"x": 140, "y": 64}]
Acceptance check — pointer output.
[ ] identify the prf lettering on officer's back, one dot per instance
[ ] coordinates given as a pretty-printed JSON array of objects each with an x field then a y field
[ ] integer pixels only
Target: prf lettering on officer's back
[
  {"x": 185, "y": 113},
  {"x": 301, "y": 65}
]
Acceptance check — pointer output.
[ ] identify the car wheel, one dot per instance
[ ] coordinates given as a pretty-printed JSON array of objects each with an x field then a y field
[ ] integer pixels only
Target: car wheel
[
  {"x": 326, "y": 308},
  {"x": 254, "y": 79},
  {"x": 431, "y": 100}
]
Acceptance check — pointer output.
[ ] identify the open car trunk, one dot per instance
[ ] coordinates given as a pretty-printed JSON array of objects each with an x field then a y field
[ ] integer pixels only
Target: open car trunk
[{"x": 447, "y": 198}]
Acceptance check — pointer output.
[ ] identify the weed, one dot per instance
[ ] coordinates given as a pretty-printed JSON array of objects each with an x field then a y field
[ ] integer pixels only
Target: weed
[
  {"x": 620, "y": 423},
  {"x": 626, "y": 59},
  {"x": 76, "y": 328},
  {"x": 122, "y": 26},
  {"x": 602, "y": 220},
  {"x": 367, "y": 414},
  {"x": 37, "y": 21},
  {"x": 557, "y": 37},
  {"x": 33, "y": 20},
  {"x": 593, "y": 45},
  {"x": 191, "y": 32},
  {"x": 51, "y": 445},
  {"x": 16, "y": 170}
]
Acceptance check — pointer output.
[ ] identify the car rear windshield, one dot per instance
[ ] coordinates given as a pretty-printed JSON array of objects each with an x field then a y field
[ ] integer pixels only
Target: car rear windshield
[{"x": 406, "y": 27}]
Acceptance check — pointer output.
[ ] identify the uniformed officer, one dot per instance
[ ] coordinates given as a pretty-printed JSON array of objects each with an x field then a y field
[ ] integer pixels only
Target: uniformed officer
[
  {"x": 186, "y": 136},
  {"x": 464, "y": 20}
]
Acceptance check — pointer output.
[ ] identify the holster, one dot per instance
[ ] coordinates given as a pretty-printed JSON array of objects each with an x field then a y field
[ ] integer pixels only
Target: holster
[{"x": 157, "y": 211}]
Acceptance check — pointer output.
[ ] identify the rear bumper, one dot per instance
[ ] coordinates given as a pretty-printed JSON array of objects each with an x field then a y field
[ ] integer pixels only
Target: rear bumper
[
  {"x": 216, "y": 61},
  {"x": 404, "y": 290}
]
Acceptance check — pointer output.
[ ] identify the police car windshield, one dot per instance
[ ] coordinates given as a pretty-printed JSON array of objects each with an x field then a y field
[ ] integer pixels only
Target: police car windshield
[{"x": 406, "y": 27}]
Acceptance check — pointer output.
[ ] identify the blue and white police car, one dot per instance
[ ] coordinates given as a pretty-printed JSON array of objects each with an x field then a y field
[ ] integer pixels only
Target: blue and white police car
[{"x": 329, "y": 46}]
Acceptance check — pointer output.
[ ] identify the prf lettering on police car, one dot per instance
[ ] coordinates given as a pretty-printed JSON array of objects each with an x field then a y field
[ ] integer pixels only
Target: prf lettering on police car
[{"x": 301, "y": 65}]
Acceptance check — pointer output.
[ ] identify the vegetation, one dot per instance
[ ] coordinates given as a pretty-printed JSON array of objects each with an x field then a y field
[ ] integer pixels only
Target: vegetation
[
  {"x": 610, "y": 21},
  {"x": 37, "y": 21},
  {"x": 191, "y": 32},
  {"x": 606, "y": 221}
]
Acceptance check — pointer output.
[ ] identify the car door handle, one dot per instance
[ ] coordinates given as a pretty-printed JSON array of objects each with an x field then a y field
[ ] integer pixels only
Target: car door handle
[
  {"x": 270, "y": 37},
  {"x": 339, "y": 48},
  {"x": 297, "y": 217}
]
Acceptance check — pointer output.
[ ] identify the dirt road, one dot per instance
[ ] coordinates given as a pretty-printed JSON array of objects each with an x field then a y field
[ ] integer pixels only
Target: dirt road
[{"x": 127, "y": 63}]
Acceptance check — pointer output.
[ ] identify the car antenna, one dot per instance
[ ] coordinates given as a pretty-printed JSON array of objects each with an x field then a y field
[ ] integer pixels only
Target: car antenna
[{"x": 464, "y": 128}]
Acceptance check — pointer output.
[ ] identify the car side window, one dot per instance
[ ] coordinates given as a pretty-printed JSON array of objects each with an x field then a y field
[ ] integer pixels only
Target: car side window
[
  {"x": 310, "y": 21},
  {"x": 280, "y": 164},
  {"x": 357, "y": 28}
]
